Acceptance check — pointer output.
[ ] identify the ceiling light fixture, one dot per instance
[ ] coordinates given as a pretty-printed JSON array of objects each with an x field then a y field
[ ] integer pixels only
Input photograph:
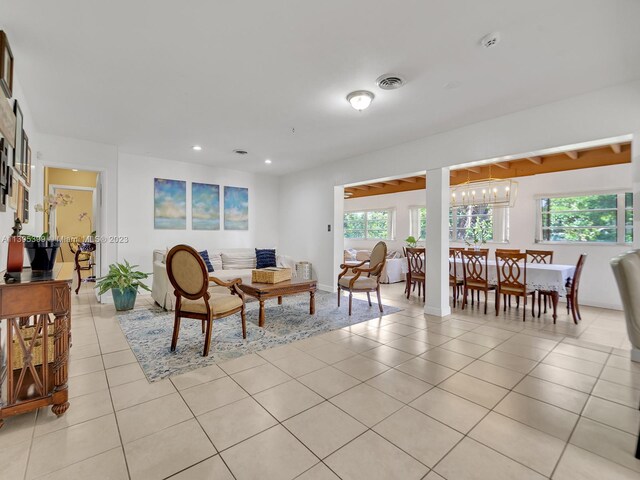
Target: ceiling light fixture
[
  {"x": 360, "y": 99},
  {"x": 74, "y": 169},
  {"x": 197, "y": 148},
  {"x": 267, "y": 161}
]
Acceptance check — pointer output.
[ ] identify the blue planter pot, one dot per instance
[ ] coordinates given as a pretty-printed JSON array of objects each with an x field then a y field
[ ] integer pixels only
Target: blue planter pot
[{"x": 124, "y": 300}]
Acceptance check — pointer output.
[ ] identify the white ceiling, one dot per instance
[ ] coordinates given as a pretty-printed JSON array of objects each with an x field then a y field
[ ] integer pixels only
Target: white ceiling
[{"x": 157, "y": 76}]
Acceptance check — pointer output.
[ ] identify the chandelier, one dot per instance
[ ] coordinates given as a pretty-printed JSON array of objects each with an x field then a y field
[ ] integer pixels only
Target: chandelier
[{"x": 493, "y": 191}]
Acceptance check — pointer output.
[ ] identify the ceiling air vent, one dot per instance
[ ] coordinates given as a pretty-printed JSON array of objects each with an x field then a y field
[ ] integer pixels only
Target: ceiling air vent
[
  {"x": 240, "y": 152},
  {"x": 390, "y": 81},
  {"x": 490, "y": 40}
]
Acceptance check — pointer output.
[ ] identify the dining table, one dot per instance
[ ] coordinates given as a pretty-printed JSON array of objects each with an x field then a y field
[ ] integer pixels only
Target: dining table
[{"x": 551, "y": 278}]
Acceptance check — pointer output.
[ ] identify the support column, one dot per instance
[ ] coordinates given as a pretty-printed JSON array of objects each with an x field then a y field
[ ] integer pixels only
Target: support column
[{"x": 437, "y": 243}]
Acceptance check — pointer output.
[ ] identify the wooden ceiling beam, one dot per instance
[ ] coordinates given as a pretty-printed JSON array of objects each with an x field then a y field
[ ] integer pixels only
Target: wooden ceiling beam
[
  {"x": 617, "y": 148},
  {"x": 474, "y": 169},
  {"x": 503, "y": 165},
  {"x": 572, "y": 154},
  {"x": 536, "y": 160},
  {"x": 360, "y": 187},
  {"x": 392, "y": 182},
  {"x": 409, "y": 179},
  {"x": 376, "y": 185},
  {"x": 453, "y": 173}
]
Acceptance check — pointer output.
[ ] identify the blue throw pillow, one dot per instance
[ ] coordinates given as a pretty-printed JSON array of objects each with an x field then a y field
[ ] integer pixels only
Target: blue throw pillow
[
  {"x": 205, "y": 256},
  {"x": 265, "y": 258}
]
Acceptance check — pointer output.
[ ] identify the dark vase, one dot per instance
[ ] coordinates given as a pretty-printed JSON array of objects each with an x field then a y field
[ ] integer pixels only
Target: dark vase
[
  {"x": 42, "y": 255},
  {"x": 126, "y": 299}
]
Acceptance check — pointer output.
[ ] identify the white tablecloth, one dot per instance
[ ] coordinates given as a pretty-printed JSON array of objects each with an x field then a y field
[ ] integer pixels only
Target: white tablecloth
[{"x": 540, "y": 276}]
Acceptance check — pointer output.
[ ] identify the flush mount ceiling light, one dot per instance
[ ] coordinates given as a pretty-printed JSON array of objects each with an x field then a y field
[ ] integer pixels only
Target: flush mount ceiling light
[
  {"x": 360, "y": 99},
  {"x": 240, "y": 151},
  {"x": 197, "y": 148},
  {"x": 267, "y": 161}
]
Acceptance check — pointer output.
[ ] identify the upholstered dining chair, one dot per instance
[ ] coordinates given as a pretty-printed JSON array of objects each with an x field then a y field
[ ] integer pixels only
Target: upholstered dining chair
[
  {"x": 356, "y": 278},
  {"x": 512, "y": 280},
  {"x": 195, "y": 299},
  {"x": 416, "y": 270},
  {"x": 475, "y": 275}
]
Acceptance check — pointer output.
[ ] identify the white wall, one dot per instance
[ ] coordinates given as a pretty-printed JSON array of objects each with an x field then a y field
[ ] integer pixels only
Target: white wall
[
  {"x": 135, "y": 208},
  {"x": 307, "y": 201},
  {"x": 598, "y": 285}
]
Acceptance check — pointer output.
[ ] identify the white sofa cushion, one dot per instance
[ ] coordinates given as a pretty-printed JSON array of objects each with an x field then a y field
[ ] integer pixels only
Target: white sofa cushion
[{"x": 238, "y": 260}]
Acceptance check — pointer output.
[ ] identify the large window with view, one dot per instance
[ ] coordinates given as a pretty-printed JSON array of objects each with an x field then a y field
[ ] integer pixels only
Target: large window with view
[
  {"x": 462, "y": 221},
  {"x": 369, "y": 224},
  {"x": 586, "y": 218}
]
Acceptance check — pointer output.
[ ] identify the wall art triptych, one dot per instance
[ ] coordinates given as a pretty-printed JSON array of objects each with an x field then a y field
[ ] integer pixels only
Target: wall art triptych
[{"x": 170, "y": 206}]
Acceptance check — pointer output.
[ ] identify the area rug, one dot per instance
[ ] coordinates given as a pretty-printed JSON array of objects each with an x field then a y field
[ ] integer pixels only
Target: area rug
[{"x": 149, "y": 329}]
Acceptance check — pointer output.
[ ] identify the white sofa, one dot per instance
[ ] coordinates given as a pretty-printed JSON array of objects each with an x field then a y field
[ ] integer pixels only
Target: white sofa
[{"x": 227, "y": 264}]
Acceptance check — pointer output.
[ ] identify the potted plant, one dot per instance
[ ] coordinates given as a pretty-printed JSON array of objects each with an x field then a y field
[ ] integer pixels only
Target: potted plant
[
  {"x": 123, "y": 280},
  {"x": 478, "y": 234},
  {"x": 411, "y": 241}
]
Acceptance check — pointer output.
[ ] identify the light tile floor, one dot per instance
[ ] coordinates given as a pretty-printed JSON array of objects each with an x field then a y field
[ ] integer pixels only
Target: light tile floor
[{"x": 470, "y": 396}]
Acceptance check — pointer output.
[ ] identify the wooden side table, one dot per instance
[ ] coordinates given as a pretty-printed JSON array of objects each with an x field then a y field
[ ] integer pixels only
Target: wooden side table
[{"x": 35, "y": 319}]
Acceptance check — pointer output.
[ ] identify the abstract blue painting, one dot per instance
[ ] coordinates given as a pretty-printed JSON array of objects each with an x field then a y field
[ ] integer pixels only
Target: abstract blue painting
[
  {"x": 170, "y": 204},
  {"x": 205, "y": 206},
  {"x": 236, "y": 208}
]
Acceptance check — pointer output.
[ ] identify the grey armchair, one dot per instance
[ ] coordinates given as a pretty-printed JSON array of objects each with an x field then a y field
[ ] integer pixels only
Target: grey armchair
[{"x": 626, "y": 269}]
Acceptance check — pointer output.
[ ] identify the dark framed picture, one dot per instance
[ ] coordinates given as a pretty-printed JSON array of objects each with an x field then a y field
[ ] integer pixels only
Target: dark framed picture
[
  {"x": 17, "y": 150},
  {"x": 27, "y": 166},
  {"x": 25, "y": 215},
  {"x": 4, "y": 164},
  {"x": 25, "y": 151},
  {"x": 6, "y": 65}
]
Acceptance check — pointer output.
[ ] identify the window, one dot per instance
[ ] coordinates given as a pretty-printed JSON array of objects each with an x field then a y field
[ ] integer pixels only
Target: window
[
  {"x": 370, "y": 224},
  {"x": 595, "y": 218},
  {"x": 418, "y": 222},
  {"x": 462, "y": 220}
]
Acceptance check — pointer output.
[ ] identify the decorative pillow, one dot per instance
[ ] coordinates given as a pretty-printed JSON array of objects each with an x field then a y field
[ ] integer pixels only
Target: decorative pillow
[
  {"x": 238, "y": 261},
  {"x": 205, "y": 256},
  {"x": 216, "y": 260},
  {"x": 266, "y": 257}
]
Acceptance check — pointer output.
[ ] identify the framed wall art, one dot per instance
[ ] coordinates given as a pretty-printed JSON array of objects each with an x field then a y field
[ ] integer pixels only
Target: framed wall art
[
  {"x": 205, "y": 206},
  {"x": 236, "y": 208},
  {"x": 6, "y": 65},
  {"x": 13, "y": 193},
  {"x": 25, "y": 213},
  {"x": 17, "y": 148},
  {"x": 169, "y": 204},
  {"x": 7, "y": 120},
  {"x": 20, "y": 202}
]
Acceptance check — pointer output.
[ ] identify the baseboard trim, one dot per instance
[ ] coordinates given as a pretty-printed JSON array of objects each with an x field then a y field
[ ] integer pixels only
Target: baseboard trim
[
  {"x": 327, "y": 288},
  {"x": 437, "y": 312}
]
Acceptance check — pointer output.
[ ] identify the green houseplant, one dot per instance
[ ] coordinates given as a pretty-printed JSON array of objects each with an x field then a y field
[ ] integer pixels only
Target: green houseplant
[
  {"x": 123, "y": 280},
  {"x": 479, "y": 233},
  {"x": 411, "y": 241}
]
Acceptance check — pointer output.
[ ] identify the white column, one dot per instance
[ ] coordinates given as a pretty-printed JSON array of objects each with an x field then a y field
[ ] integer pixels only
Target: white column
[
  {"x": 437, "y": 243},
  {"x": 635, "y": 178}
]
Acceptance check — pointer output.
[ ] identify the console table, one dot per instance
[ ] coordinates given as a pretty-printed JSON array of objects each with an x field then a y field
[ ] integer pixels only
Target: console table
[{"x": 35, "y": 331}]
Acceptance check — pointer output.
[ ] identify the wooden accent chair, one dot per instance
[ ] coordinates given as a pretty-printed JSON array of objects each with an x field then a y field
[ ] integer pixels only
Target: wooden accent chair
[
  {"x": 573, "y": 285},
  {"x": 194, "y": 299},
  {"x": 415, "y": 271},
  {"x": 541, "y": 256},
  {"x": 454, "y": 282},
  {"x": 512, "y": 280},
  {"x": 370, "y": 282},
  {"x": 508, "y": 297},
  {"x": 474, "y": 269}
]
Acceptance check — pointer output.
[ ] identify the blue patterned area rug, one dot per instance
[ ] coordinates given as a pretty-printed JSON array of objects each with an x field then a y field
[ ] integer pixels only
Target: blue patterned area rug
[{"x": 149, "y": 329}]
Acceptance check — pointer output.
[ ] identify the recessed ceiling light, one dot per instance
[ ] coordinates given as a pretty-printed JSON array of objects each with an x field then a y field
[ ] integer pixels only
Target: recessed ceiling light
[
  {"x": 197, "y": 148},
  {"x": 240, "y": 152},
  {"x": 267, "y": 161},
  {"x": 360, "y": 99},
  {"x": 74, "y": 169}
]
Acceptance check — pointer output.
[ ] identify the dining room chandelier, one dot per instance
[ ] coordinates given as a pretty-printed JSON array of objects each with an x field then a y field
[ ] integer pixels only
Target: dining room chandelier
[{"x": 493, "y": 191}]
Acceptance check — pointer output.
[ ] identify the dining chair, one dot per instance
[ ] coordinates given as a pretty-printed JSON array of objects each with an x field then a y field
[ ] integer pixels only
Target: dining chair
[
  {"x": 369, "y": 282},
  {"x": 187, "y": 273},
  {"x": 416, "y": 270},
  {"x": 573, "y": 285},
  {"x": 512, "y": 280},
  {"x": 510, "y": 250},
  {"x": 454, "y": 282},
  {"x": 541, "y": 256},
  {"x": 475, "y": 275}
]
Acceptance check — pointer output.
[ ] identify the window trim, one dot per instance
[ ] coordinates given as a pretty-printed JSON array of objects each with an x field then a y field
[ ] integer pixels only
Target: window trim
[
  {"x": 620, "y": 225},
  {"x": 391, "y": 228}
]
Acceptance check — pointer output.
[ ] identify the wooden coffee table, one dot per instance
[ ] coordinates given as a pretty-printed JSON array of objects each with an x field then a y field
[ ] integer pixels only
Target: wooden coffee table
[{"x": 262, "y": 291}]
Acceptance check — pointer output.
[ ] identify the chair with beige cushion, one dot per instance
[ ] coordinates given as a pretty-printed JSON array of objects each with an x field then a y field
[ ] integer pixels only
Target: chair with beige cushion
[
  {"x": 356, "y": 278},
  {"x": 626, "y": 269},
  {"x": 187, "y": 273}
]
